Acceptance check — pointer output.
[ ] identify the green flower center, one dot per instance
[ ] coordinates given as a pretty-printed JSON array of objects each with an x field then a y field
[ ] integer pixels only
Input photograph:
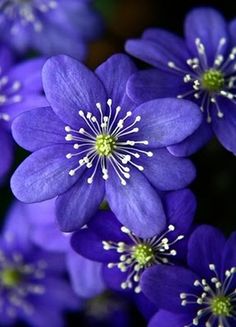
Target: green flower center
[
  {"x": 10, "y": 277},
  {"x": 143, "y": 254},
  {"x": 105, "y": 144},
  {"x": 213, "y": 80},
  {"x": 221, "y": 306}
]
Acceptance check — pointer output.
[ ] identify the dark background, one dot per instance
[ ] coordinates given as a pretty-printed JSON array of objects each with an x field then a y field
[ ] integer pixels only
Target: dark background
[{"x": 215, "y": 186}]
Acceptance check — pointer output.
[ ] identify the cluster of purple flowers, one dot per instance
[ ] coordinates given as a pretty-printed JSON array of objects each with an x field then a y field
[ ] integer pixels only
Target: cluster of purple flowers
[{"x": 102, "y": 202}]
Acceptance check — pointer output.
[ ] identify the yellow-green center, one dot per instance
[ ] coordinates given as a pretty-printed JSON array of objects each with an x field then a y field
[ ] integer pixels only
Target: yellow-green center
[
  {"x": 221, "y": 306},
  {"x": 143, "y": 254},
  {"x": 213, "y": 80},
  {"x": 10, "y": 277},
  {"x": 105, "y": 144}
]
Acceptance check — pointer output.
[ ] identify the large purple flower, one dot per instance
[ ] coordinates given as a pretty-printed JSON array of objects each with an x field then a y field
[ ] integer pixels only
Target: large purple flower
[
  {"x": 32, "y": 286},
  {"x": 20, "y": 90},
  {"x": 202, "y": 295},
  {"x": 85, "y": 275},
  {"x": 125, "y": 255},
  {"x": 94, "y": 142},
  {"x": 200, "y": 68},
  {"x": 49, "y": 26}
]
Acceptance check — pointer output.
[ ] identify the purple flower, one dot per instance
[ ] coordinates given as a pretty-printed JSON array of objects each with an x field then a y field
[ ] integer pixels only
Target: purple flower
[
  {"x": 202, "y": 294},
  {"x": 201, "y": 68},
  {"x": 49, "y": 26},
  {"x": 85, "y": 275},
  {"x": 94, "y": 142},
  {"x": 32, "y": 287},
  {"x": 20, "y": 90},
  {"x": 125, "y": 255}
]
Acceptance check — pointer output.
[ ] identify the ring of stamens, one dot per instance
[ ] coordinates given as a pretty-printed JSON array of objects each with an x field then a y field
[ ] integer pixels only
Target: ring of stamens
[
  {"x": 27, "y": 12},
  {"x": 209, "y": 82},
  {"x": 107, "y": 141},
  {"x": 140, "y": 254},
  {"x": 18, "y": 281},
  {"x": 217, "y": 300}
]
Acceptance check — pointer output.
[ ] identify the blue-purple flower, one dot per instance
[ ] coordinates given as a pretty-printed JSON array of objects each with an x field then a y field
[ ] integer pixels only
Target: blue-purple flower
[
  {"x": 49, "y": 26},
  {"x": 201, "y": 68},
  {"x": 94, "y": 143},
  {"x": 20, "y": 90},
  {"x": 202, "y": 294},
  {"x": 85, "y": 275},
  {"x": 125, "y": 255},
  {"x": 32, "y": 286}
]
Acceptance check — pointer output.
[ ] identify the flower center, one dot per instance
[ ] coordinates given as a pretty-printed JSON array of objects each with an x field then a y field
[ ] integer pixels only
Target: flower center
[
  {"x": 144, "y": 254},
  {"x": 109, "y": 140},
  {"x": 139, "y": 254},
  {"x": 10, "y": 277},
  {"x": 213, "y": 80},
  {"x": 105, "y": 144},
  {"x": 221, "y": 306},
  {"x": 215, "y": 298}
]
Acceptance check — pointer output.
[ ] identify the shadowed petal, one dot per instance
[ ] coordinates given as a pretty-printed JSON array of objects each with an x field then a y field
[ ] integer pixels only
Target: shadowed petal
[{"x": 206, "y": 246}]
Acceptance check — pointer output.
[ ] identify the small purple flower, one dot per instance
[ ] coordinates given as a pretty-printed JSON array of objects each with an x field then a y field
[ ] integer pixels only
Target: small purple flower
[
  {"x": 20, "y": 90},
  {"x": 32, "y": 287},
  {"x": 49, "y": 26},
  {"x": 94, "y": 142},
  {"x": 201, "y": 68},
  {"x": 201, "y": 295},
  {"x": 125, "y": 255},
  {"x": 85, "y": 275}
]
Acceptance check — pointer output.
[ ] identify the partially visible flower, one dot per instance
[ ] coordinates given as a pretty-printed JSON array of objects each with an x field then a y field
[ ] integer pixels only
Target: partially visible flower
[
  {"x": 85, "y": 275},
  {"x": 201, "y": 68},
  {"x": 125, "y": 255},
  {"x": 94, "y": 143},
  {"x": 32, "y": 286},
  {"x": 201, "y": 295},
  {"x": 20, "y": 90},
  {"x": 49, "y": 26}
]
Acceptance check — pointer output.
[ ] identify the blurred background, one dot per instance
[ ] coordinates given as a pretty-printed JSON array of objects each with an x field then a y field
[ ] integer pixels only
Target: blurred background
[{"x": 215, "y": 186}]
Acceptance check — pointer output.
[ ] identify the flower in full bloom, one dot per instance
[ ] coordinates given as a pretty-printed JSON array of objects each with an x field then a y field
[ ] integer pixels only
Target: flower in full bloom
[
  {"x": 32, "y": 286},
  {"x": 49, "y": 26},
  {"x": 201, "y": 68},
  {"x": 85, "y": 275},
  {"x": 125, "y": 255},
  {"x": 202, "y": 294},
  {"x": 20, "y": 90},
  {"x": 93, "y": 142}
]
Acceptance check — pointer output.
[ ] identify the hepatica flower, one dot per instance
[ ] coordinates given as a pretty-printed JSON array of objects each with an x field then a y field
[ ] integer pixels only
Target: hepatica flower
[
  {"x": 201, "y": 295},
  {"x": 94, "y": 143},
  {"x": 49, "y": 26},
  {"x": 125, "y": 255},
  {"x": 20, "y": 89},
  {"x": 32, "y": 287},
  {"x": 201, "y": 68}
]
